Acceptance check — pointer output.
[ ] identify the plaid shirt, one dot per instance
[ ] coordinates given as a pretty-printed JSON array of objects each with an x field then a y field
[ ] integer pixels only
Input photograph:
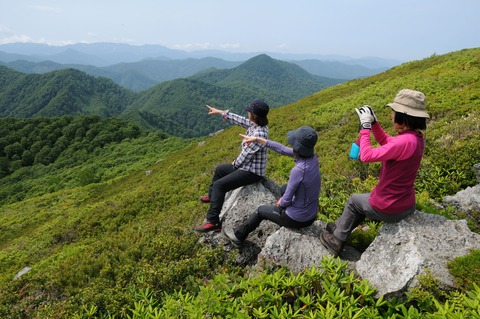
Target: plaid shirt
[{"x": 253, "y": 157}]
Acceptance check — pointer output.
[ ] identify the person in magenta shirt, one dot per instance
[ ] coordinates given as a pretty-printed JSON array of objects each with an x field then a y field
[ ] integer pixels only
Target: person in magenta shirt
[{"x": 393, "y": 198}]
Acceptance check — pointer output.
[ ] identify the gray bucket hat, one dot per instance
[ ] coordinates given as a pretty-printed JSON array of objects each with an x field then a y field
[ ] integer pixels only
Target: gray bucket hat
[
  {"x": 303, "y": 140},
  {"x": 410, "y": 102}
]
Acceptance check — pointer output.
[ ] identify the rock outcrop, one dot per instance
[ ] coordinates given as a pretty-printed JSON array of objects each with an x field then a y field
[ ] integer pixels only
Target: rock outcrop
[
  {"x": 399, "y": 253},
  {"x": 402, "y": 251},
  {"x": 467, "y": 201}
]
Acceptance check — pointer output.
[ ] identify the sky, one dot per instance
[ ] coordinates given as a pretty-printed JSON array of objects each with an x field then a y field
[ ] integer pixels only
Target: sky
[{"x": 402, "y": 30}]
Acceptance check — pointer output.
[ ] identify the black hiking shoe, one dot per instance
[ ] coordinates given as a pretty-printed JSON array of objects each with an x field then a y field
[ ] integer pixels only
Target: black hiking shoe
[
  {"x": 330, "y": 227},
  {"x": 232, "y": 238},
  {"x": 332, "y": 243}
]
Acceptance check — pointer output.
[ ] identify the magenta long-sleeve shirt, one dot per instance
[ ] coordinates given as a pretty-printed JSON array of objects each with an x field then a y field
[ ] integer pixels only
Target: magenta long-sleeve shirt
[{"x": 400, "y": 156}]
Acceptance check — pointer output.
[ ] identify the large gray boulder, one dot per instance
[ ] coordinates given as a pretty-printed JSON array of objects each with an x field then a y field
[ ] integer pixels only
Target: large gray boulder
[
  {"x": 402, "y": 251},
  {"x": 270, "y": 245},
  {"x": 298, "y": 249},
  {"x": 399, "y": 253},
  {"x": 239, "y": 204}
]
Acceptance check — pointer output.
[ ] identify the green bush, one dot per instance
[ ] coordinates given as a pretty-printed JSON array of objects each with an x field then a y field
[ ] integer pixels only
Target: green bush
[
  {"x": 327, "y": 291},
  {"x": 466, "y": 270}
]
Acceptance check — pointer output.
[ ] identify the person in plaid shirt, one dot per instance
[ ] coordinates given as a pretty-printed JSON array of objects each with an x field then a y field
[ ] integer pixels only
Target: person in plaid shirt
[{"x": 249, "y": 167}]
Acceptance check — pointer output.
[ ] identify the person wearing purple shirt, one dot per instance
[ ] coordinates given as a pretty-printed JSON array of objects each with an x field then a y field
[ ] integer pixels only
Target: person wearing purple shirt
[
  {"x": 298, "y": 206},
  {"x": 393, "y": 198}
]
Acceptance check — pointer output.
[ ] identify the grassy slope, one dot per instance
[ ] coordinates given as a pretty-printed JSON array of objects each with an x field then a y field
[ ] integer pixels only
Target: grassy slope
[{"x": 95, "y": 244}]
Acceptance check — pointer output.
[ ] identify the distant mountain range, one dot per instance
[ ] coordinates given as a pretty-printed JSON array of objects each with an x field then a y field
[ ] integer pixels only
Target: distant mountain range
[
  {"x": 176, "y": 107},
  {"x": 136, "y": 76},
  {"x": 140, "y": 67}
]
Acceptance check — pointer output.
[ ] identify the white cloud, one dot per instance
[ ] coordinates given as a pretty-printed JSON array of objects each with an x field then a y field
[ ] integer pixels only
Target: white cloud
[
  {"x": 7, "y": 35},
  {"x": 127, "y": 40},
  {"x": 230, "y": 45},
  {"x": 14, "y": 39},
  {"x": 204, "y": 46},
  {"x": 193, "y": 46}
]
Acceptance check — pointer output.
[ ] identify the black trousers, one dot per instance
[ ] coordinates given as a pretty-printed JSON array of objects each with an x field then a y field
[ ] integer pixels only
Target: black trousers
[
  {"x": 268, "y": 212},
  {"x": 225, "y": 179}
]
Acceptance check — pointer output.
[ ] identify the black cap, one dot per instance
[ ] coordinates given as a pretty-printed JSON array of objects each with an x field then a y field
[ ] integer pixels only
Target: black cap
[{"x": 258, "y": 107}]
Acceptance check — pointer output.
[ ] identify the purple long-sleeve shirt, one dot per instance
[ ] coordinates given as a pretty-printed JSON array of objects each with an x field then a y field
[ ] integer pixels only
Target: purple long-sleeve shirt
[{"x": 300, "y": 199}]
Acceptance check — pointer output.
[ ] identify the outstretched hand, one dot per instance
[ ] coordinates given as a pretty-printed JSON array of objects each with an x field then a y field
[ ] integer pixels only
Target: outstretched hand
[
  {"x": 212, "y": 110},
  {"x": 252, "y": 139},
  {"x": 248, "y": 139}
]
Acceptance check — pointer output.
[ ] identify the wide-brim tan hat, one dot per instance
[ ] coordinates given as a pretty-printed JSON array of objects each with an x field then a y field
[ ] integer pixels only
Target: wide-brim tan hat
[{"x": 410, "y": 102}]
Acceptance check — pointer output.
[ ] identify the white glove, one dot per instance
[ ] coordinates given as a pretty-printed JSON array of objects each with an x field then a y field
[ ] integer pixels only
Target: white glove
[
  {"x": 375, "y": 120},
  {"x": 365, "y": 117}
]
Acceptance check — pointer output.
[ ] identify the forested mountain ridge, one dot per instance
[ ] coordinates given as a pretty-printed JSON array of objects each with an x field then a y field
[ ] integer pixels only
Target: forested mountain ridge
[
  {"x": 114, "y": 248},
  {"x": 262, "y": 72},
  {"x": 58, "y": 93},
  {"x": 136, "y": 76},
  {"x": 175, "y": 107},
  {"x": 261, "y": 77}
]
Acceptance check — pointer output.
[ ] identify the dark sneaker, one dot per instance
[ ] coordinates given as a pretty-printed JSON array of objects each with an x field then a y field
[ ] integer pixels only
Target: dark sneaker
[
  {"x": 232, "y": 238},
  {"x": 330, "y": 227},
  {"x": 332, "y": 243},
  {"x": 205, "y": 199},
  {"x": 208, "y": 226}
]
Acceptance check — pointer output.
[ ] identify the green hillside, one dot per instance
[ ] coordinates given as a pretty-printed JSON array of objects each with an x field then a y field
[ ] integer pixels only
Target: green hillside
[
  {"x": 182, "y": 101},
  {"x": 264, "y": 76},
  {"x": 43, "y": 155},
  {"x": 178, "y": 107},
  {"x": 144, "y": 74},
  {"x": 109, "y": 248},
  {"x": 58, "y": 93}
]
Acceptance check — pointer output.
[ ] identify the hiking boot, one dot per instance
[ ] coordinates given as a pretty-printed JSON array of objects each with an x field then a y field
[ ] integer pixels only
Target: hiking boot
[
  {"x": 232, "y": 238},
  {"x": 208, "y": 226},
  {"x": 205, "y": 199},
  {"x": 332, "y": 243},
  {"x": 330, "y": 227}
]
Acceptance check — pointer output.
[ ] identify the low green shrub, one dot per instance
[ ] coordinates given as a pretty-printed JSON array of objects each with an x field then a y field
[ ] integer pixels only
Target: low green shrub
[
  {"x": 466, "y": 270},
  {"x": 330, "y": 290}
]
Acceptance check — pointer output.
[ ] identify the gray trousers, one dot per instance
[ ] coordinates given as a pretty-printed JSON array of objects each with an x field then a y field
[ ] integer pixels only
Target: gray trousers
[{"x": 357, "y": 209}]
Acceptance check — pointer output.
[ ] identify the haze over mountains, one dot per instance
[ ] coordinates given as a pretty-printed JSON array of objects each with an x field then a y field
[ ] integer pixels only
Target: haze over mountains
[{"x": 141, "y": 67}]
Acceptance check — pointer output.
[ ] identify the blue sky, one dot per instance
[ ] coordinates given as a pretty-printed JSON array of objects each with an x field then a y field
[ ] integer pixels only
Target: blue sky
[{"x": 403, "y": 30}]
